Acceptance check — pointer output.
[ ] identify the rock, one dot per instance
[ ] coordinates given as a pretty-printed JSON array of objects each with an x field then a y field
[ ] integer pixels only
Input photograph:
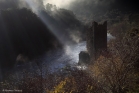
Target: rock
[{"x": 84, "y": 57}]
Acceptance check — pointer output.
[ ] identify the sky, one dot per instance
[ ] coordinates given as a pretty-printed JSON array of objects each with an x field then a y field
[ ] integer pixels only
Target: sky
[
  {"x": 68, "y": 4},
  {"x": 95, "y": 5},
  {"x": 75, "y": 4},
  {"x": 60, "y": 3}
]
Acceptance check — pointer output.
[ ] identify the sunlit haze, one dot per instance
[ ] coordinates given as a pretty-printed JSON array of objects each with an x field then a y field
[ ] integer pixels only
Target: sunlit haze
[{"x": 59, "y": 3}]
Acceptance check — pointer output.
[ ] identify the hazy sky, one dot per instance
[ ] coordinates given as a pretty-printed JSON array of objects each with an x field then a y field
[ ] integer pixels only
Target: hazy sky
[
  {"x": 103, "y": 4},
  {"x": 59, "y": 3},
  {"x": 74, "y": 5},
  {"x": 69, "y": 3}
]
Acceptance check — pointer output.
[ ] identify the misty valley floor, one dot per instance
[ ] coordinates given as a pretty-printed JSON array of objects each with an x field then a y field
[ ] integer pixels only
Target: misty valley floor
[{"x": 51, "y": 61}]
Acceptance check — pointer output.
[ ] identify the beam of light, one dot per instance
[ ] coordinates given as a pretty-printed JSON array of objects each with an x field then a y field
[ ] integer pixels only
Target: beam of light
[
  {"x": 71, "y": 52},
  {"x": 33, "y": 5},
  {"x": 36, "y": 8}
]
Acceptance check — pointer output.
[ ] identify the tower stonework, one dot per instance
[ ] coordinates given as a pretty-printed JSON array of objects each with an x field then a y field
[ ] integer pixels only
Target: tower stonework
[{"x": 97, "y": 39}]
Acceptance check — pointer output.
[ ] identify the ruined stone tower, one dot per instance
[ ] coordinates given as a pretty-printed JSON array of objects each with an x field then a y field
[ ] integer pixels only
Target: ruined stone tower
[{"x": 97, "y": 39}]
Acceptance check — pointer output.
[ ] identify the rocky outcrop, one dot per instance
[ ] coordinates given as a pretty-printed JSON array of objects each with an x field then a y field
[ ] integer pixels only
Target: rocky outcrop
[{"x": 84, "y": 57}]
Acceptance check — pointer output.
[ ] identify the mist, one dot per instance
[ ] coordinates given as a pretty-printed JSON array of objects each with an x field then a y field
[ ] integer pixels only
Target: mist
[
  {"x": 77, "y": 4},
  {"x": 84, "y": 7},
  {"x": 13, "y": 4},
  {"x": 60, "y": 3}
]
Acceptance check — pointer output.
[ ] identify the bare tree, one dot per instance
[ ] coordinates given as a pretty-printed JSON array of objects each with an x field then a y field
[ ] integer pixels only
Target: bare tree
[{"x": 114, "y": 70}]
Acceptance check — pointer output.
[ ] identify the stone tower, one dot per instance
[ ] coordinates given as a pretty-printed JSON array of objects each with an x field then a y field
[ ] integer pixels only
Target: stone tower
[{"x": 97, "y": 39}]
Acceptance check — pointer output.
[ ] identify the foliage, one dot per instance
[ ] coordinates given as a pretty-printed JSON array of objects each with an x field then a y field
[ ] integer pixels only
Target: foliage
[
  {"x": 113, "y": 75},
  {"x": 75, "y": 81},
  {"x": 116, "y": 69}
]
